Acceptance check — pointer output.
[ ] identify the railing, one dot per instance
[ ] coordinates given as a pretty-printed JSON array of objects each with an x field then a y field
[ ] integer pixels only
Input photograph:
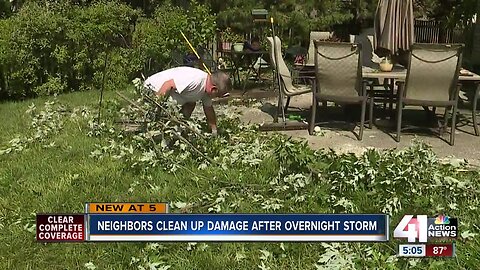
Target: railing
[
  {"x": 426, "y": 31},
  {"x": 430, "y": 31}
]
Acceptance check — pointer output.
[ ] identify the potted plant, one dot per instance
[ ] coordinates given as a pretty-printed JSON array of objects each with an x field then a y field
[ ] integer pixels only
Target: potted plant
[
  {"x": 386, "y": 64},
  {"x": 238, "y": 46},
  {"x": 230, "y": 38}
]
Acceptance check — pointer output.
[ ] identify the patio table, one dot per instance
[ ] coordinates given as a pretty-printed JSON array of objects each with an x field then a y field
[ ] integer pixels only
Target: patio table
[
  {"x": 468, "y": 76},
  {"x": 399, "y": 74},
  {"x": 247, "y": 60}
]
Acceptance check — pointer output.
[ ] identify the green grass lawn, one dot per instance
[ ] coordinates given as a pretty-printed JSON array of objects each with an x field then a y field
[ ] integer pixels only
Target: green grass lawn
[{"x": 57, "y": 173}]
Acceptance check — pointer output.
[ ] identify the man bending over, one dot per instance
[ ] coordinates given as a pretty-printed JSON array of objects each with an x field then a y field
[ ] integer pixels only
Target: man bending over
[{"x": 188, "y": 85}]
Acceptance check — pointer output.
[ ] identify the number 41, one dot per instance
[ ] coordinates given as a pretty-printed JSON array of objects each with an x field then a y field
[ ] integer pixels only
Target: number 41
[{"x": 416, "y": 228}]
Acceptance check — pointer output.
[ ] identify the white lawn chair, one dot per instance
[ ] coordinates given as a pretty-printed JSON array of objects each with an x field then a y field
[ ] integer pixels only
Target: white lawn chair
[{"x": 286, "y": 86}]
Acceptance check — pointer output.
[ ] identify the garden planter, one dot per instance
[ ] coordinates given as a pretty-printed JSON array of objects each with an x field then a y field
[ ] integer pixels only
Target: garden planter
[
  {"x": 226, "y": 46},
  {"x": 386, "y": 65},
  {"x": 238, "y": 47}
]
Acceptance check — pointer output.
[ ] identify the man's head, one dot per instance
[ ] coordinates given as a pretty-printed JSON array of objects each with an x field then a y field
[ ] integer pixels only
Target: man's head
[{"x": 220, "y": 84}]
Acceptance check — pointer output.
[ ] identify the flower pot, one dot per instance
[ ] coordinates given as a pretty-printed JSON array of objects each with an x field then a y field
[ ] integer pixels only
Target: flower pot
[
  {"x": 238, "y": 47},
  {"x": 386, "y": 65},
  {"x": 226, "y": 46}
]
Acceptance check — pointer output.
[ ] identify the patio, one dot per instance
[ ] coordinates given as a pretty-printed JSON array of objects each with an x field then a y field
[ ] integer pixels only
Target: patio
[
  {"x": 340, "y": 138},
  {"x": 382, "y": 135}
]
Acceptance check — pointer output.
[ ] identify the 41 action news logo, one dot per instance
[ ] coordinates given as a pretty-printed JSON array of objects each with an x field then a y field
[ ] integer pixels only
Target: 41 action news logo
[{"x": 423, "y": 228}]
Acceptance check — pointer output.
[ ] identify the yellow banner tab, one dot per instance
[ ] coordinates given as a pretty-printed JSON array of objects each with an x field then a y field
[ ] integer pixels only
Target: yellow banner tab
[{"x": 105, "y": 208}]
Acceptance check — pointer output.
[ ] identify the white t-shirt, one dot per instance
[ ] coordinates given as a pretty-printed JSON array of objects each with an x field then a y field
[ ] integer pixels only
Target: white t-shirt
[{"x": 190, "y": 83}]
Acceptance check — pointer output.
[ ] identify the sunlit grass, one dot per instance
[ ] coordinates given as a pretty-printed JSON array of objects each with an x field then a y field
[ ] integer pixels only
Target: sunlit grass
[{"x": 63, "y": 177}]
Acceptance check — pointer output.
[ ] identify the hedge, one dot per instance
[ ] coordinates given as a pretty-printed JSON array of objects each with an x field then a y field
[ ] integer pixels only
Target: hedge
[{"x": 53, "y": 48}]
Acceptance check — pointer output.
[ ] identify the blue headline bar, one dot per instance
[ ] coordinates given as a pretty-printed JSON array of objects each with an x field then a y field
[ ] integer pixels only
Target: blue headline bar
[{"x": 235, "y": 227}]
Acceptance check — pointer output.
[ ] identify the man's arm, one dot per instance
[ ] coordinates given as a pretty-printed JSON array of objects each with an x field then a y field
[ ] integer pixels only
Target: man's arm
[
  {"x": 211, "y": 118},
  {"x": 166, "y": 88}
]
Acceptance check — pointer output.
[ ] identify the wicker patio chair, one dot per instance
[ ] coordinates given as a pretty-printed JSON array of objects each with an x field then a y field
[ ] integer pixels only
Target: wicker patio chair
[
  {"x": 432, "y": 80},
  {"x": 287, "y": 87},
  {"x": 338, "y": 72}
]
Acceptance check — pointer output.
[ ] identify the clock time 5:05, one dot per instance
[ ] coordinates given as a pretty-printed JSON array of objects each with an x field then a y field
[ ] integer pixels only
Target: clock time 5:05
[{"x": 409, "y": 250}]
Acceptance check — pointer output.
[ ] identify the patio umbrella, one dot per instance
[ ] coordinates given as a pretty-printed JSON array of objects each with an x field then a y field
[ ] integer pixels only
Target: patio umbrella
[{"x": 393, "y": 27}]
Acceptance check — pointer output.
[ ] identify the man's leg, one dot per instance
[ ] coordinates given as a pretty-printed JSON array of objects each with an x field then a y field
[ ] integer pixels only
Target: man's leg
[{"x": 188, "y": 108}]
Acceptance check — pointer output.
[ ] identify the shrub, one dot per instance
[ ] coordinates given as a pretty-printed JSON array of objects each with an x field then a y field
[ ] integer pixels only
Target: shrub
[
  {"x": 156, "y": 38},
  {"x": 5, "y": 9},
  {"x": 28, "y": 41},
  {"x": 104, "y": 27},
  {"x": 48, "y": 49}
]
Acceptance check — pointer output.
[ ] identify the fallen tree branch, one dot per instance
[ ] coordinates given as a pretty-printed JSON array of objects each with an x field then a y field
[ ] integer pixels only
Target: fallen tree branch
[
  {"x": 131, "y": 102},
  {"x": 172, "y": 117},
  {"x": 189, "y": 144}
]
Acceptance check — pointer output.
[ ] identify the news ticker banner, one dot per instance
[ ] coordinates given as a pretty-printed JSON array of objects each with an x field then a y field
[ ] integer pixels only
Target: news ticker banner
[
  {"x": 237, "y": 227},
  {"x": 152, "y": 222}
]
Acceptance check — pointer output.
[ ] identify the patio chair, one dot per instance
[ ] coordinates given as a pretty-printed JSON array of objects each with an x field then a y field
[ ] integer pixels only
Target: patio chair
[
  {"x": 381, "y": 89},
  {"x": 338, "y": 72},
  {"x": 369, "y": 58},
  {"x": 432, "y": 78},
  {"x": 314, "y": 35},
  {"x": 286, "y": 86}
]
